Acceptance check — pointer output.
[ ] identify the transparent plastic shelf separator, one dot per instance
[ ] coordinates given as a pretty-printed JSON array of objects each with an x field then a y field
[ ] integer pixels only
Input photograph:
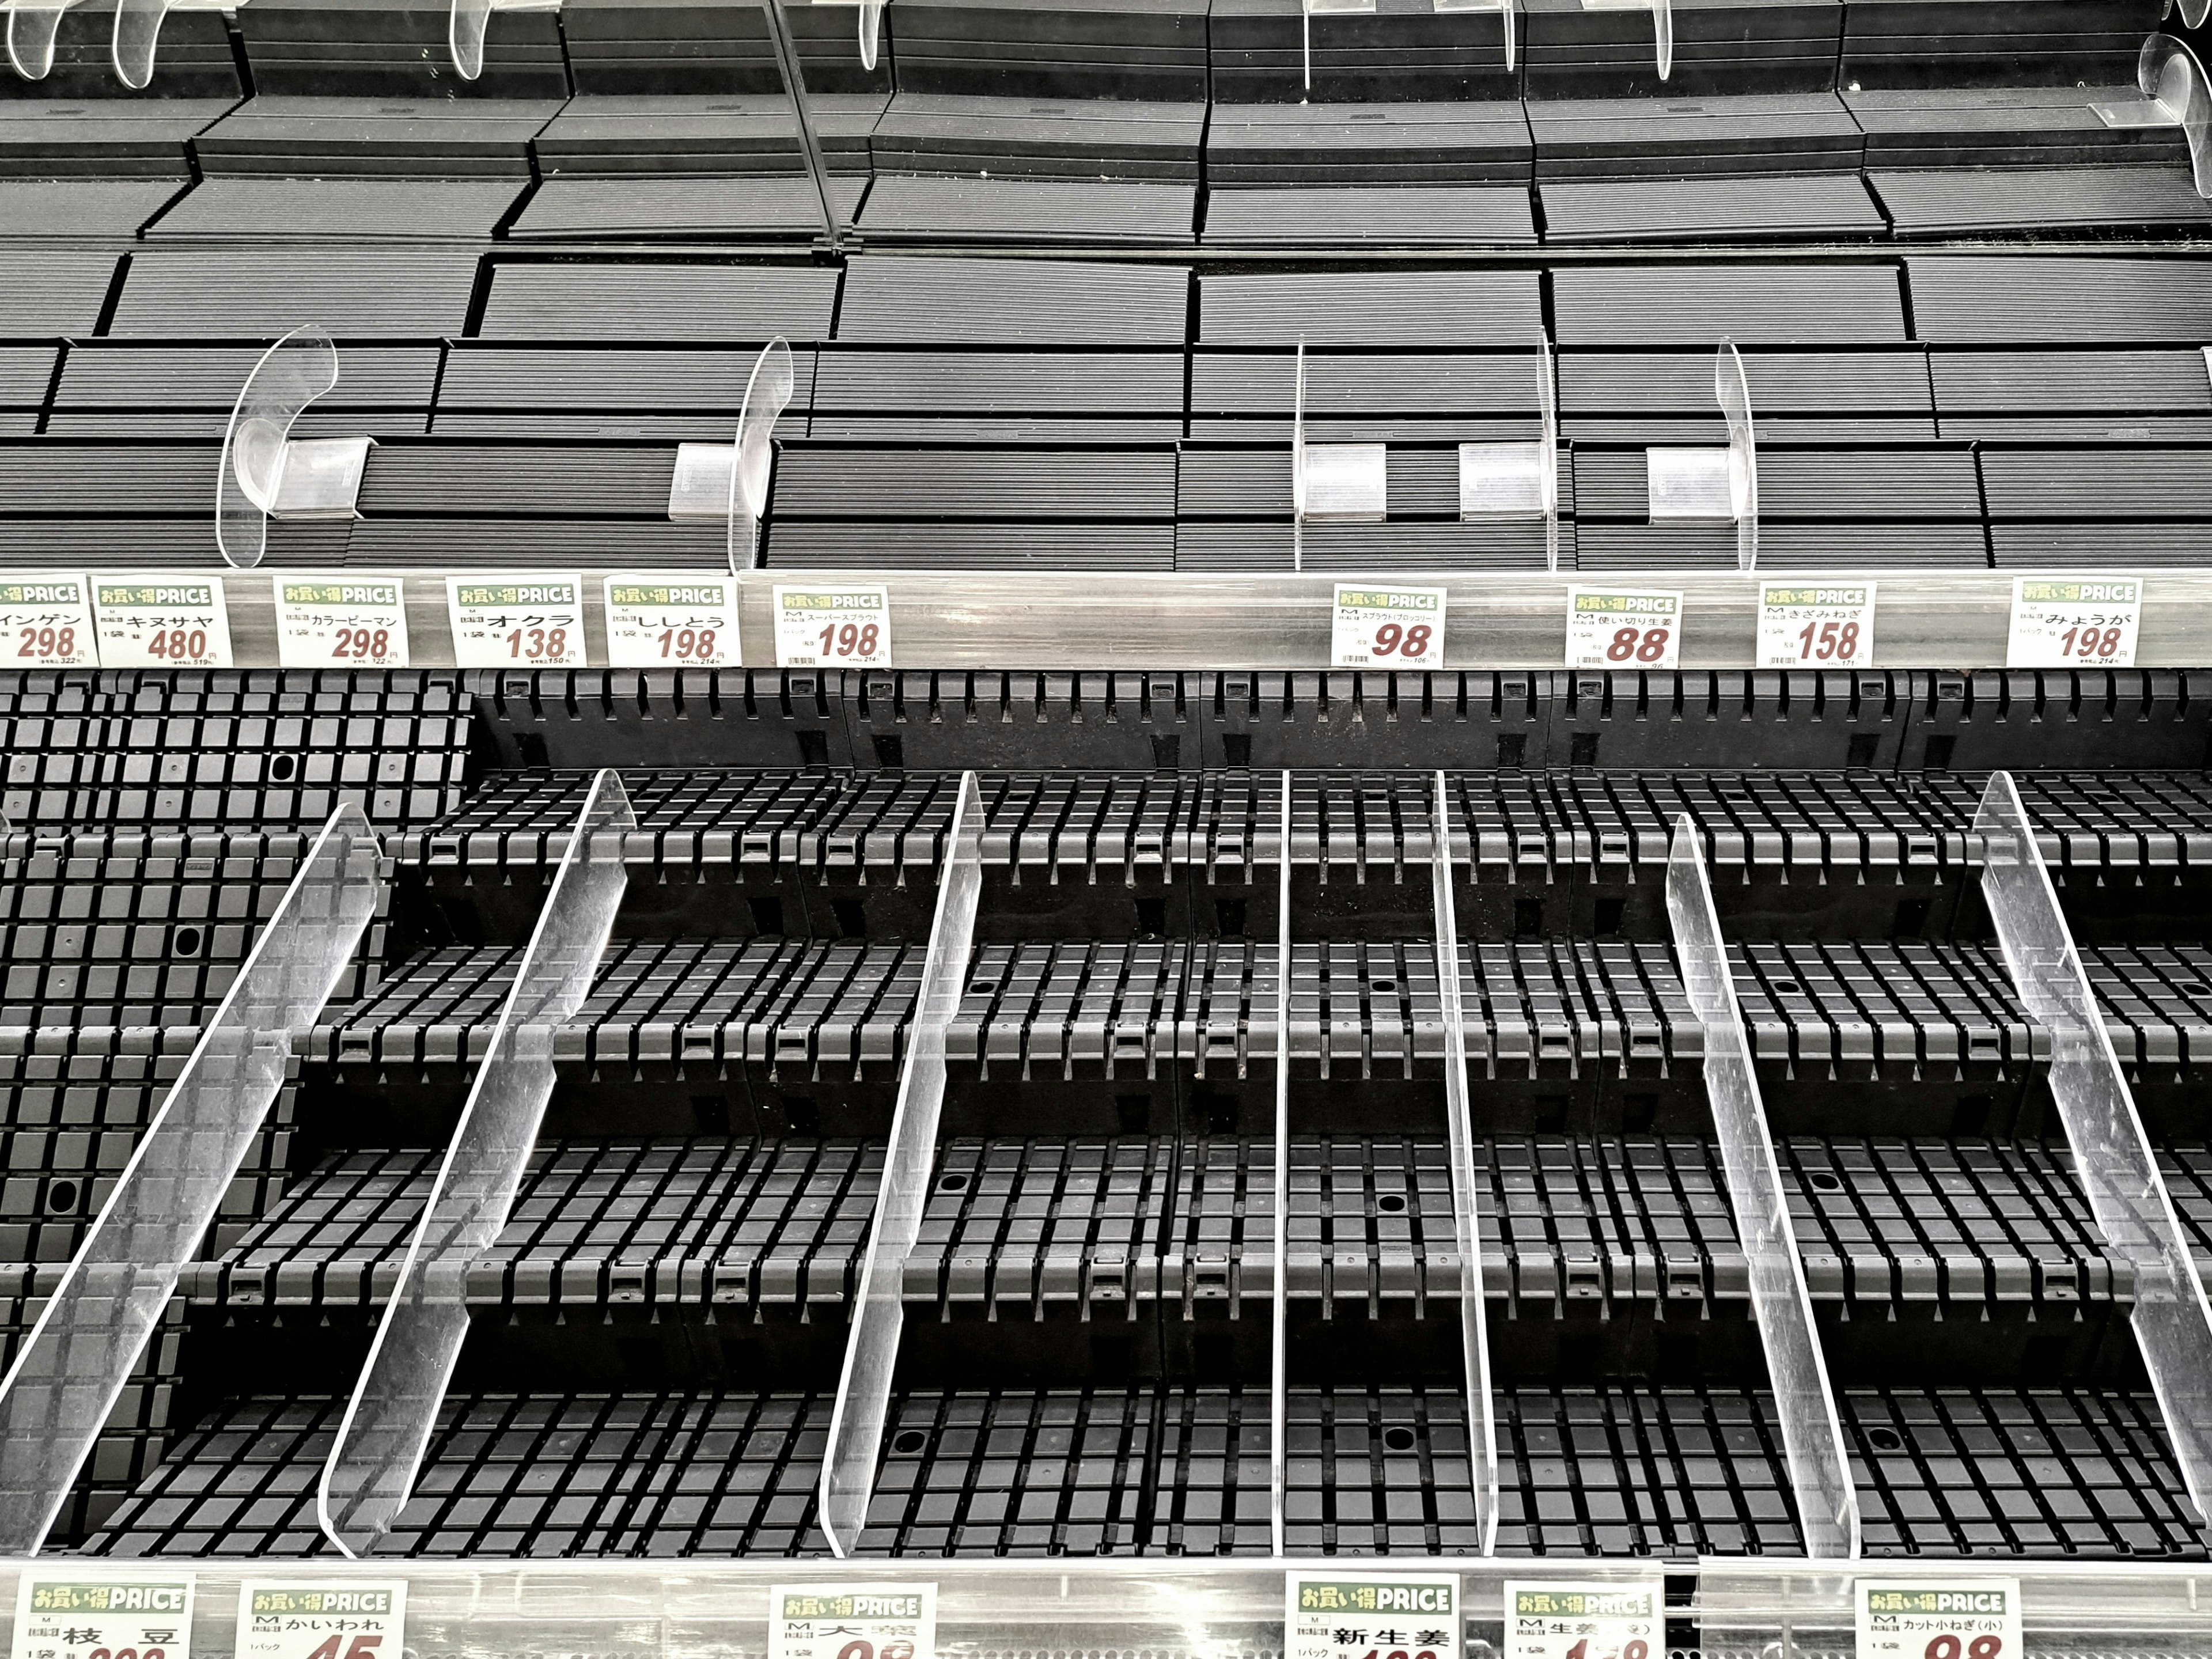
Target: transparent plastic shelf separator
[
  {"x": 1812, "y": 1435},
  {"x": 1663, "y": 35},
  {"x": 768, "y": 393},
  {"x": 809, "y": 143},
  {"x": 388, "y": 1421},
  {"x": 1279, "y": 1308},
  {"x": 465, "y": 25},
  {"x": 1733, "y": 391},
  {"x": 2168, "y": 74},
  {"x": 1548, "y": 459},
  {"x": 1298, "y": 469},
  {"x": 138, "y": 33},
  {"x": 864, "y": 1387},
  {"x": 1473, "y": 1299},
  {"x": 31, "y": 32},
  {"x": 2113, "y": 1155},
  {"x": 79, "y": 1354},
  {"x": 291, "y": 374}
]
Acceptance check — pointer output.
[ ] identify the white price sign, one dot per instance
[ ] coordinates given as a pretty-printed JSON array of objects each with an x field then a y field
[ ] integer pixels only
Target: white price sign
[
  {"x": 852, "y": 1621},
  {"x": 1387, "y": 627},
  {"x": 329, "y": 1618},
  {"x": 1937, "y": 1618},
  {"x": 825, "y": 627},
  {"x": 1610, "y": 627},
  {"x": 675, "y": 621},
  {"x": 1589, "y": 1620},
  {"x": 75, "y": 1615},
  {"x": 1807, "y": 625},
  {"x": 2073, "y": 622},
  {"x": 1371, "y": 1615},
  {"x": 162, "y": 622},
  {"x": 46, "y": 622},
  {"x": 341, "y": 622},
  {"x": 507, "y": 621}
]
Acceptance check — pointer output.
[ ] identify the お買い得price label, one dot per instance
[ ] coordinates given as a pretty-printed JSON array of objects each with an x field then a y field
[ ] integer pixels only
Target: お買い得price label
[
  {"x": 825, "y": 627},
  {"x": 1588, "y": 1620},
  {"x": 329, "y": 1618},
  {"x": 1609, "y": 628},
  {"x": 1937, "y": 1618},
  {"x": 46, "y": 621},
  {"x": 341, "y": 622},
  {"x": 162, "y": 622},
  {"x": 852, "y": 1621},
  {"x": 1375, "y": 627},
  {"x": 675, "y": 621},
  {"x": 2073, "y": 622},
  {"x": 1356, "y": 1615},
  {"x": 517, "y": 621},
  {"x": 77, "y": 1615},
  {"x": 1807, "y": 625}
]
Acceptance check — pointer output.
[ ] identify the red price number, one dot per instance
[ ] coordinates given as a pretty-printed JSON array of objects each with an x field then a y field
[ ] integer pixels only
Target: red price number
[
  {"x": 364, "y": 1647},
  {"x": 48, "y": 642},
  {"x": 1640, "y": 645},
  {"x": 850, "y": 640},
  {"x": 177, "y": 645},
  {"x": 1828, "y": 642},
  {"x": 1407, "y": 644},
  {"x": 1946, "y": 1646},
  {"x": 2091, "y": 645},
  {"x": 536, "y": 644},
  {"x": 366, "y": 644},
  {"x": 687, "y": 644}
]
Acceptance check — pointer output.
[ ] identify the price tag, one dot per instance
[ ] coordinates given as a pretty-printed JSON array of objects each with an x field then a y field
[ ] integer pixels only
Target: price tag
[
  {"x": 74, "y": 1615},
  {"x": 1937, "y": 1618},
  {"x": 1554, "y": 1621},
  {"x": 2073, "y": 622},
  {"x": 46, "y": 622},
  {"x": 1351, "y": 1614},
  {"x": 1804, "y": 626},
  {"x": 341, "y": 622},
  {"x": 824, "y": 627},
  {"x": 674, "y": 621},
  {"x": 162, "y": 622},
  {"x": 1387, "y": 627},
  {"x": 1608, "y": 627},
  {"x": 852, "y": 1621},
  {"x": 329, "y": 1618},
  {"x": 502, "y": 622}
]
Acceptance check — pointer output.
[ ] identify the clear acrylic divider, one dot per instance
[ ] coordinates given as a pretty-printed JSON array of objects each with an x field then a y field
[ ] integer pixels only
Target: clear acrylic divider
[
  {"x": 389, "y": 1419},
  {"x": 1663, "y": 32},
  {"x": 1734, "y": 392},
  {"x": 1467, "y": 1185},
  {"x": 768, "y": 393},
  {"x": 291, "y": 374},
  {"x": 79, "y": 1352},
  {"x": 138, "y": 33},
  {"x": 1299, "y": 460},
  {"x": 1279, "y": 1312},
  {"x": 464, "y": 36},
  {"x": 1510, "y": 481},
  {"x": 2193, "y": 12},
  {"x": 834, "y": 229},
  {"x": 2168, "y": 74},
  {"x": 864, "y": 1387},
  {"x": 870, "y": 26},
  {"x": 31, "y": 32},
  {"x": 1812, "y": 1435},
  {"x": 2112, "y": 1156}
]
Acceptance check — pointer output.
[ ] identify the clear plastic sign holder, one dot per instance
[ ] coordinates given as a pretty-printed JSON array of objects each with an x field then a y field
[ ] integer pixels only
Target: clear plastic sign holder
[
  {"x": 2193, "y": 12},
  {"x": 466, "y": 26},
  {"x": 864, "y": 1387},
  {"x": 870, "y": 26},
  {"x": 31, "y": 32},
  {"x": 1344, "y": 482},
  {"x": 263, "y": 473},
  {"x": 1812, "y": 1435},
  {"x": 794, "y": 84},
  {"x": 394, "y": 1407},
  {"x": 1511, "y": 482},
  {"x": 1279, "y": 1290},
  {"x": 2112, "y": 1156},
  {"x": 138, "y": 33},
  {"x": 79, "y": 1355},
  {"x": 2175, "y": 94},
  {"x": 768, "y": 393},
  {"x": 1467, "y": 1219},
  {"x": 1714, "y": 486}
]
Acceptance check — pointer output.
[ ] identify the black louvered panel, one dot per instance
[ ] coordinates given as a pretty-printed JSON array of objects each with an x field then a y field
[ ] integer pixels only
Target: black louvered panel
[
  {"x": 2117, "y": 547},
  {"x": 1337, "y": 141},
  {"x": 52, "y": 291},
  {"x": 524, "y": 391},
  {"x": 1753, "y": 304},
  {"x": 2085, "y": 394},
  {"x": 623, "y": 209},
  {"x": 466, "y": 543},
  {"x": 392, "y": 52},
  {"x": 600, "y": 299},
  {"x": 1028, "y": 210},
  {"x": 999, "y": 397},
  {"x": 25, "y": 371},
  {"x": 1489, "y": 395},
  {"x": 1949, "y": 201},
  {"x": 438, "y": 138},
  {"x": 1012, "y": 302},
  {"x": 2058, "y": 301},
  {"x": 1667, "y": 137},
  {"x": 1931, "y": 43},
  {"x": 1403, "y": 50},
  {"x": 1970, "y": 128},
  {"x": 893, "y": 545},
  {"x": 1820, "y": 397},
  {"x": 265, "y": 290},
  {"x": 346, "y": 210},
  {"x": 1370, "y": 216},
  {"x": 108, "y": 209},
  {"x": 821, "y": 481},
  {"x": 122, "y": 389},
  {"x": 443, "y": 480},
  {"x": 1800, "y": 484},
  {"x": 194, "y": 69},
  {"x": 1088, "y": 139},
  {"x": 1369, "y": 308},
  {"x": 645, "y": 48},
  {"x": 1787, "y": 205},
  {"x": 1721, "y": 46},
  {"x": 2105, "y": 486},
  {"x": 602, "y": 134},
  {"x": 1148, "y": 50}
]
